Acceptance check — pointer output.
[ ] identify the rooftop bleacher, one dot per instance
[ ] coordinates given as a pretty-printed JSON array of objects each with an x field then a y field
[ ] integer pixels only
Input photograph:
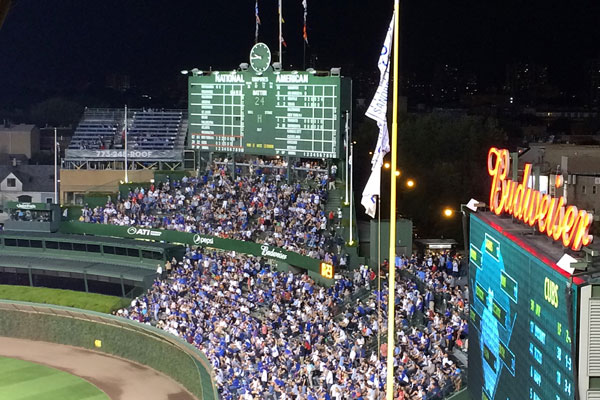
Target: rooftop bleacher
[
  {"x": 147, "y": 129},
  {"x": 155, "y": 130}
]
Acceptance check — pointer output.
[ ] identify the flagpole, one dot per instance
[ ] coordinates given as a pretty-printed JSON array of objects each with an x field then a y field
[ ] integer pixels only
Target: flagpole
[
  {"x": 379, "y": 297},
  {"x": 350, "y": 240},
  {"x": 126, "y": 155},
  {"x": 304, "y": 55},
  {"x": 392, "y": 250},
  {"x": 280, "y": 36},
  {"x": 347, "y": 157},
  {"x": 256, "y": 21},
  {"x": 55, "y": 167}
]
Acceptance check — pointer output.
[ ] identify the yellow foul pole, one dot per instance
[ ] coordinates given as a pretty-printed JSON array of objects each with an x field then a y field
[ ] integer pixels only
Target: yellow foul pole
[{"x": 392, "y": 255}]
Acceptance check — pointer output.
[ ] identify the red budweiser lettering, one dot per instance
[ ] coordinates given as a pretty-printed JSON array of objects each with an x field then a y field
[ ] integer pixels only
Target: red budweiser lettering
[{"x": 552, "y": 216}]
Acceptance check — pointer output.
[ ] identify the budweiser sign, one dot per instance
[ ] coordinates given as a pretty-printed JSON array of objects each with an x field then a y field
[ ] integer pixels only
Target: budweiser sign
[{"x": 551, "y": 215}]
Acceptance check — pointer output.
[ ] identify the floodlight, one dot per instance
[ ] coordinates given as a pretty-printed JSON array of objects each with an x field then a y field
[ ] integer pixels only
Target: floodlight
[
  {"x": 336, "y": 71},
  {"x": 277, "y": 66},
  {"x": 244, "y": 66},
  {"x": 311, "y": 71}
]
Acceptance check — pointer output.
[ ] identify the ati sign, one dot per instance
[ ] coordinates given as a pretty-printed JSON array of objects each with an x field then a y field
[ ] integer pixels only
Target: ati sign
[
  {"x": 551, "y": 215},
  {"x": 143, "y": 231},
  {"x": 199, "y": 240}
]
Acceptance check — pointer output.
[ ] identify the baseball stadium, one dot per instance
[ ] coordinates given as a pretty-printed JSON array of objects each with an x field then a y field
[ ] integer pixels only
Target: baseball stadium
[{"x": 217, "y": 251}]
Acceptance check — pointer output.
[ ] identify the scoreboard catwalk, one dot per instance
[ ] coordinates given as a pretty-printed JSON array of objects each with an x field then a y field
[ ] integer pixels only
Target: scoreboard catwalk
[{"x": 287, "y": 113}]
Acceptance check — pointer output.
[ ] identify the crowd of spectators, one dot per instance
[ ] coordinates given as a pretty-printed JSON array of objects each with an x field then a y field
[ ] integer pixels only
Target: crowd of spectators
[
  {"x": 302, "y": 170},
  {"x": 278, "y": 335},
  {"x": 249, "y": 207}
]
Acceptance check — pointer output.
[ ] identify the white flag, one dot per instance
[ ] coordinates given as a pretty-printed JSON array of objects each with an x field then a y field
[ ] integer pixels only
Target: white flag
[
  {"x": 372, "y": 189},
  {"x": 378, "y": 111}
]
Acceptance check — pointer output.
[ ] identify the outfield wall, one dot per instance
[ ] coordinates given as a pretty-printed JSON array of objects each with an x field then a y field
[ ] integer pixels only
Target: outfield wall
[
  {"x": 113, "y": 335},
  {"x": 170, "y": 236}
]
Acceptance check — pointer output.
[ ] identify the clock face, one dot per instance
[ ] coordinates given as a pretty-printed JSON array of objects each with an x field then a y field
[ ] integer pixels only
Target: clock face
[{"x": 260, "y": 57}]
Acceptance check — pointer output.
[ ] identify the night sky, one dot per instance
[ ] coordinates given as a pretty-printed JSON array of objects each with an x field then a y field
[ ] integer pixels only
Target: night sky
[{"x": 69, "y": 42}]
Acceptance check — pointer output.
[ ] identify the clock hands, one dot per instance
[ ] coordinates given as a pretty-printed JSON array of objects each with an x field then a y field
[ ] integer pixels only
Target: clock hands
[{"x": 256, "y": 57}]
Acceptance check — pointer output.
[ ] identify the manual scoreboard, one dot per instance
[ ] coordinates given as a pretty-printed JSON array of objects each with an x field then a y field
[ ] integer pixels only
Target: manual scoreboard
[
  {"x": 523, "y": 316},
  {"x": 287, "y": 113}
]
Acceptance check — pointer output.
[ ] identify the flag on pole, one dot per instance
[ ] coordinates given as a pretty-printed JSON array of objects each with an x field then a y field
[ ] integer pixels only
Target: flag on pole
[
  {"x": 257, "y": 21},
  {"x": 304, "y": 31},
  {"x": 377, "y": 111},
  {"x": 283, "y": 42}
]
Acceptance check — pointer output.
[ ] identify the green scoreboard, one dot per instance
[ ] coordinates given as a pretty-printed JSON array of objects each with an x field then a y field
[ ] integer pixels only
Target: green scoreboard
[
  {"x": 522, "y": 318},
  {"x": 287, "y": 113}
]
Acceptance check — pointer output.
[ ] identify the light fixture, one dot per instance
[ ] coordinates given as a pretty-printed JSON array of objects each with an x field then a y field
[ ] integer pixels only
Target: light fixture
[
  {"x": 244, "y": 67},
  {"x": 184, "y": 72},
  {"x": 336, "y": 71},
  {"x": 196, "y": 72},
  {"x": 311, "y": 71},
  {"x": 294, "y": 72},
  {"x": 277, "y": 66}
]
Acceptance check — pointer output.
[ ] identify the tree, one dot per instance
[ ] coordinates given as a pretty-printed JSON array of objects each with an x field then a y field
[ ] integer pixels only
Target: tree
[
  {"x": 56, "y": 111},
  {"x": 447, "y": 157}
]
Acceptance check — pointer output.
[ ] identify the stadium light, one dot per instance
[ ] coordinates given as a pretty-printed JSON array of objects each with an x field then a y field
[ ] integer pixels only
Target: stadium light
[
  {"x": 277, "y": 67},
  {"x": 336, "y": 71},
  {"x": 311, "y": 71},
  {"x": 244, "y": 67},
  {"x": 184, "y": 72},
  {"x": 196, "y": 72}
]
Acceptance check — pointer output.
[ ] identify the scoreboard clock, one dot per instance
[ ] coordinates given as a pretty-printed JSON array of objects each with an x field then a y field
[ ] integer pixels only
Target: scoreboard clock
[{"x": 260, "y": 57}]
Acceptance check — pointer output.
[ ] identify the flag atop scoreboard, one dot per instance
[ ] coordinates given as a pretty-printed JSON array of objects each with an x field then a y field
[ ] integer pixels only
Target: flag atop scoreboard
[{"x": 287, "y": 113}]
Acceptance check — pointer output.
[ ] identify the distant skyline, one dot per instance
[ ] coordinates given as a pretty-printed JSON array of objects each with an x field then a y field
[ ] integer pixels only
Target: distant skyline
[{"x": 57, "y": 42}]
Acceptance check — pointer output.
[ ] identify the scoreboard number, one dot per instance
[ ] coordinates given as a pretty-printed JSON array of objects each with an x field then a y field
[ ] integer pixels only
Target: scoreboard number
[{"x": 327, "y": 270}]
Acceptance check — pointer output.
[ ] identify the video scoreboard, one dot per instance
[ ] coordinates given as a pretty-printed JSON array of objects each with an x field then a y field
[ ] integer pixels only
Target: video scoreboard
[
  {"x": 287, "y": 113},
  {"x": 522, "y": 320}
]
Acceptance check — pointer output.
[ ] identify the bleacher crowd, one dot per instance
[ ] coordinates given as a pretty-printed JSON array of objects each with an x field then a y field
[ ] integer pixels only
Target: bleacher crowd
[
  {"x": 277, "y": 335},
  {"x": 255, "y": 207}
]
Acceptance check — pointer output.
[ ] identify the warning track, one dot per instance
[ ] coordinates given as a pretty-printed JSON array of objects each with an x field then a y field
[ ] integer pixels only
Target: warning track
[{"x": 120, "y": 379}]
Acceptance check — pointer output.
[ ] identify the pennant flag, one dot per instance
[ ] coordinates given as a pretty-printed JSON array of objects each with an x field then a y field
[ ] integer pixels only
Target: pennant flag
[
  {"x": 378, "y": 111},
  {"x": 257, "y": 21},
  {"x": 304, "y": 32},
  {"x": 283, "y": 42}
]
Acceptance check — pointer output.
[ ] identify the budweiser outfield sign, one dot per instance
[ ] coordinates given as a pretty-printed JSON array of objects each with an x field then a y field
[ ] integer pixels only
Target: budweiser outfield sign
[{"x": 551, "y": 215}]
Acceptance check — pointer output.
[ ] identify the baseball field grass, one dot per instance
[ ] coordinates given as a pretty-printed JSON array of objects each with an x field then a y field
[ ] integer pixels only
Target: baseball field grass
[
  {"x": 23, "y": 380},
  {"x": 68, "y": 298}
]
